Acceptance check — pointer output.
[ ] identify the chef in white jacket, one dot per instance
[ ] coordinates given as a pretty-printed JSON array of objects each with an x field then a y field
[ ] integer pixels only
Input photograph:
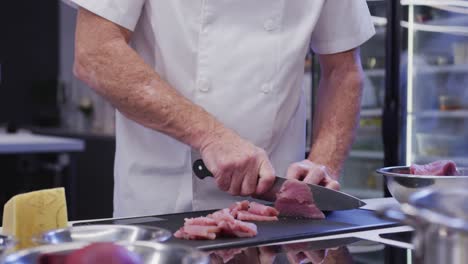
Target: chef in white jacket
[{"x": 221, "y": 79}]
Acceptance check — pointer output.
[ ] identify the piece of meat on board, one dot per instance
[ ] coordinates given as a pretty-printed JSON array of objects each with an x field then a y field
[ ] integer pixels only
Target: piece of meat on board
[
  {"x": 436, "y": 168},
  {"x": 238, "y": 228},
  {"x": 262, "y": 210},
  {"x": 197, "y": 232},
  {"x": 248, "y": 216},
  {"x": 228, "y": 222},
  {"x": 295, "y": 199},
  {"x": 238, "y": 206},
  {"x": 205, "y": 221}
]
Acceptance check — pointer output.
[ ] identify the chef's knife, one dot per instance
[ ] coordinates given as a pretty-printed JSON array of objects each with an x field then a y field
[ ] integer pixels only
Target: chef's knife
[{"x": 325, "y": 199}]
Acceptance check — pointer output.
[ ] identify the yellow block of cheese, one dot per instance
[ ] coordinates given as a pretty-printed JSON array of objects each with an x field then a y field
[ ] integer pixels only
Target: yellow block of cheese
[{"x": 30, "y": 214}]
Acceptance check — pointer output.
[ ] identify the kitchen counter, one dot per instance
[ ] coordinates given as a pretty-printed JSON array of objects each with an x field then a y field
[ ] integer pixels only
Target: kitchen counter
[
  {"x": 363, "y": 247},
  {"x": 371, "y": 235},
  {"x": 25, "y": 142}
]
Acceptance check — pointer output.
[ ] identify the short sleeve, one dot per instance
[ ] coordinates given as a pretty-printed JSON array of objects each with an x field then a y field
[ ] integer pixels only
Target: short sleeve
[
  {"x": 124, "y": 13},
  {"x": 342, "y": 25}
]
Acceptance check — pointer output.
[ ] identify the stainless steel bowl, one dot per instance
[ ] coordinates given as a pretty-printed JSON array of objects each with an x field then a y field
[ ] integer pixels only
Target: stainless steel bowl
[
  {"x": 103, "y": 233},
  {"x": 402, "y": 184},
  {"x": 6, "y": 242},
  {"x": 148, "y": 252}
]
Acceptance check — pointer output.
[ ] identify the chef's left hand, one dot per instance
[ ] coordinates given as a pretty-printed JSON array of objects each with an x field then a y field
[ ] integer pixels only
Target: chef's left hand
[{"x": 312, "y": 173}]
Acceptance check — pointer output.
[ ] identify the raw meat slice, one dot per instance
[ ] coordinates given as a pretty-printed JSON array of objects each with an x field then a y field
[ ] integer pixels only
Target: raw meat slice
[
  {"x": 296, "y": 190},
  {"x": 222, "y": 215},
  {"x": 238, "y": 228},
  {"x": 263, "y": 210},
  {"x": 436, "y": 168},
  {"x": 296, "y": 199},
  {"x": 290, "y": 207},
  {"x": 248, "y": 216},
  {"x": 197, "y": 232},
  {"x": 224, "y": 222},
  {"x": 238, "y": 206},
  {"x": 204, "y": 221}
]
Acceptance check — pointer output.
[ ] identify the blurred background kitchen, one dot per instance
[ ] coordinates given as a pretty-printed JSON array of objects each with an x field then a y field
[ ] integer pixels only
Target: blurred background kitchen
[{"x": 56, "y": 131}]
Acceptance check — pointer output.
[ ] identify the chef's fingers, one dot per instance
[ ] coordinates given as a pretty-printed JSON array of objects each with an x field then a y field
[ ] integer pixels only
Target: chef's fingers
[
  {"x": 315, "y": 175},
  {"x": 332, "y": 184},
  {"x": 224, "y": 181},
  {"x": 236, "y": 182},
  {"x": 251, "y": 177},
  {"x": 297, "y": 170},
  {"x": 266, "y": 176}
]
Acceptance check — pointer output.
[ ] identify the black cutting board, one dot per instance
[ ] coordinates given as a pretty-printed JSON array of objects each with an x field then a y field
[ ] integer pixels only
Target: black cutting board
[{"x": 287, "y": 228}]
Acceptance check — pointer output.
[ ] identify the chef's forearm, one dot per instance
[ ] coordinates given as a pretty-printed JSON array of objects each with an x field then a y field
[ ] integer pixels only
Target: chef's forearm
[
  {"x": 105, "y": 61},
  {"x": 337, "y": 109}
]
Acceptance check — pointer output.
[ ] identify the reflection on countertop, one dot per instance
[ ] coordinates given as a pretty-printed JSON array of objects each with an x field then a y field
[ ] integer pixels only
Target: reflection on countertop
[{"x": 343, "y": 251}]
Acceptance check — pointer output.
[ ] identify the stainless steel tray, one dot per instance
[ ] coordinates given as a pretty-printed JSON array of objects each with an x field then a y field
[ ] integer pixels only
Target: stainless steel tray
[
  {"x": 148, "y": 252},
  {"x": 6, "y": 242},
  {"x": 104, "y": 233},
  {"x": 402, "y": 184}
]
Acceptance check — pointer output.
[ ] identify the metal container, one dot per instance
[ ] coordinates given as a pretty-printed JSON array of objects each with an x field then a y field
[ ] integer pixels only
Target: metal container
[
  {"x": 440, "y": 219},
  {"x": 148, "y": 252},
  {"x": 103, "y": 233},
  {"x": 6, "y": 242},
  {"x": 402, "y": 184}
]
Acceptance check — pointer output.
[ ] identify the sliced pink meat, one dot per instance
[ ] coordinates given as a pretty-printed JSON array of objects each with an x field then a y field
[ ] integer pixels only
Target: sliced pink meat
[
  {"x": 263, "y": 210},
  {"x": 290, "y": 207},
  {"x": 228, "y": 222},
  {"x": 296, "y": 199},
  {"x": 295, "y": 190},
  {"x": 204, "y": 221},
  {"x": 248, "y": 216},
  {"x": 238, "y": 206},
  {"x": 222, "y": 215},
  {"x": 197, "y": 232},
  {"x": 238, "y": 228},
  {"x": 436, "y": 168}
]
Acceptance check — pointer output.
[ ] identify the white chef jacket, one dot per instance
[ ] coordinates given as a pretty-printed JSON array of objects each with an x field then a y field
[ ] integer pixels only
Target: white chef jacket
[{"x": 243, "y": 61}]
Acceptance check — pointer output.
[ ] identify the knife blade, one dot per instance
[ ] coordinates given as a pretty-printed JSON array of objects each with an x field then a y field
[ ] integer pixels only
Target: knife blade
[{"x": 325, "y": 199}]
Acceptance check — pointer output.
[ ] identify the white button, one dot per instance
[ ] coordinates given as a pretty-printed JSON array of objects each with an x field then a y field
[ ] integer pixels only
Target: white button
[
  {"x": 266, "y": 88},
  {"x": 203, "y": 85},
  {"x": 270, "y": 24}
]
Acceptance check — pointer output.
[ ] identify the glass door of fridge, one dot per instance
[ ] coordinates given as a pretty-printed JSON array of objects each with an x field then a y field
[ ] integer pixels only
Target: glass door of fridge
[{"x": 435, "y": 73}]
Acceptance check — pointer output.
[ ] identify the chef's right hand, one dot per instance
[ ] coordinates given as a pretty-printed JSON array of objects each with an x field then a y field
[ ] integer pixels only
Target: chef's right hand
[{"x": 238, "y": 166}]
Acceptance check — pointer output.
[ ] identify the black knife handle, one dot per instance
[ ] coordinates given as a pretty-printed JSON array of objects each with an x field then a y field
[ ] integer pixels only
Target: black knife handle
[{"x": 200, "y": 169}]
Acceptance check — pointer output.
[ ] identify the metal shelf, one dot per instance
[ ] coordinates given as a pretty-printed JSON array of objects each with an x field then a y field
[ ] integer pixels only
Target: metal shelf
[
  {"x": 366, "y": 154},
  {"x": 450, "y": 68},
  {"x": 444, "y": 114},
  {"x": 375, "y": 72},
  {"x": 363, "y": 193}
]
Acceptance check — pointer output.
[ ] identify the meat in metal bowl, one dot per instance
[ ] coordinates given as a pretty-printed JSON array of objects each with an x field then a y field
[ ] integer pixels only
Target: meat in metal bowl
[
  {"x": 148, "y": 253},
  {"x": 402, "y": 184},
  {"x": 103, "y": 233}
]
